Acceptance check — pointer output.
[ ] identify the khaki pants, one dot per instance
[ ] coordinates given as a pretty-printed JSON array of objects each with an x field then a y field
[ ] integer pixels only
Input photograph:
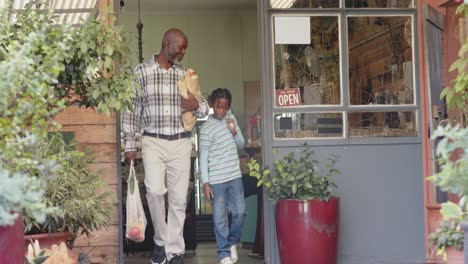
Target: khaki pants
[{"x": 167, "y": 169}]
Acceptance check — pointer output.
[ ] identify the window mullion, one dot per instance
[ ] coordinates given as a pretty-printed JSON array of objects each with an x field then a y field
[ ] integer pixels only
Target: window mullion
[{"x": 343, "y": 35}]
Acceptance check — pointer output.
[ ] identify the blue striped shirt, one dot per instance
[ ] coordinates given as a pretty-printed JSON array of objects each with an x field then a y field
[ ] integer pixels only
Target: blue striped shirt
[{"x": 219, "y": 160}]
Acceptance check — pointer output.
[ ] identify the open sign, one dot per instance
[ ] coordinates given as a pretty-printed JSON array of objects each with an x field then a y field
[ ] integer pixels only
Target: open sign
[{"x": 288, "y": 97}]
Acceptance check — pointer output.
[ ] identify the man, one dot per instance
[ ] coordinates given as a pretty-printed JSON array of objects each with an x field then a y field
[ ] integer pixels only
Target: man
[{"x": 166, "y": 146}]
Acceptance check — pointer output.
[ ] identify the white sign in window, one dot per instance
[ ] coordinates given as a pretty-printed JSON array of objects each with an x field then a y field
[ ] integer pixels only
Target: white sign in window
[{"x": 292, "y": 30}]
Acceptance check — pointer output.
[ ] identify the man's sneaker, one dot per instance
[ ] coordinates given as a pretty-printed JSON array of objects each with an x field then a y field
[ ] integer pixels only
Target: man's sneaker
[
  {"x": 226, "y": 260},
  {"x": 234, "y": 256},
  {"x": 159, "y": 255},
  {"x": 177, "y": 259}
]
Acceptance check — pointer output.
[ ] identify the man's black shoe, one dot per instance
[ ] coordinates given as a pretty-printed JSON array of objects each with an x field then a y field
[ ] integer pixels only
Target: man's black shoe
[
  {"x": 159, "y": 255},
  {"x": 177, "y": 259}
]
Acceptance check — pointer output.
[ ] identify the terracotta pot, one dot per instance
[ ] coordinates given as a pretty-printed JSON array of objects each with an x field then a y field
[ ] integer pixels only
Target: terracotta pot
[
  {"x": 46, "y": 240},
  {"x": 307, "y": 231},
  {"x": 12, "y": 243},
  {"x": 455, "y": 256}
]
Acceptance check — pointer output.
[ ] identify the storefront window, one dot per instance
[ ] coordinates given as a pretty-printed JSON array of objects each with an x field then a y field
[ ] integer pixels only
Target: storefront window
[
  {"x": 382, "y": 124},
  {"x": 312, "y": 68},
  {"x": 380, "y": 60},
  {"x": 308, "y": 125},
  {"x": 378, "y": 69},
  {"x": 336, "y": 3},
  {"x": 379, "y": 3}
]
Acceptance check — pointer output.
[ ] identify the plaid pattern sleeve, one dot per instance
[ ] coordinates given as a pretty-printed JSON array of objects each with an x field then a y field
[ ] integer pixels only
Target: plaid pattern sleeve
[{"x": 132, "y": 119}]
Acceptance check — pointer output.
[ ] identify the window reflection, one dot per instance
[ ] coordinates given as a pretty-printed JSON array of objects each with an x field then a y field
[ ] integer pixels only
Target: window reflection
[
  {"x": 308, "y": 125},
  {"x": 379, "y": 3},
  {"x": 305, "y": 3},
  {"x": 336, "y": 3},
  {"x": 380, "y": 60},
  {"x": 313, "y": 68},
  {"x": 386, "y": 124}
]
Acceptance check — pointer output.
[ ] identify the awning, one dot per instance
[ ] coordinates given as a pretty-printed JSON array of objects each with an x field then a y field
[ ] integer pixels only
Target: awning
[{"x": 69, "y": 11}]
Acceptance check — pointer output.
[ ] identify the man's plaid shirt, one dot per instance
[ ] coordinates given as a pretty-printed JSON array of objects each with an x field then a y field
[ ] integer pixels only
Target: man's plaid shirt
[{"x": 157, "y": 106}]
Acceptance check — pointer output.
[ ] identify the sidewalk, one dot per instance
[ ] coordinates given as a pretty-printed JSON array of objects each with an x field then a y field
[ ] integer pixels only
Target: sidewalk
[{"x": 205, "y": 254}]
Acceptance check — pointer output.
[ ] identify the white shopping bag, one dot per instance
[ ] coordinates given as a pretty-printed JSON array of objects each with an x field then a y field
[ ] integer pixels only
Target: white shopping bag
[{"x": 136, "y": 219}]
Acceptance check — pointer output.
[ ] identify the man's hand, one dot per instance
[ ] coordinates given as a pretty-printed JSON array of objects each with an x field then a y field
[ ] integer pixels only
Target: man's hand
[
  {"x": 129, "y": 156},
  {"x": 209, "y": 195},
  {"x": 190, "y": 103}
]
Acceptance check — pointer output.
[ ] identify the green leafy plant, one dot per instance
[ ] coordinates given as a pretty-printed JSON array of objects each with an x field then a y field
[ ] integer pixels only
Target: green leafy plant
[
  {"x": 17, "y": 192},
  {"x": 47, "y": 66},
  {"x": 452, "y": 156},
  {"x": 457, "y": 94},
  {"x": 447, "y": 235},
  {"x": 297, "y": 178},
  {"x": 93, "y": 74},
  {"x": 90, "y": 72},
  {"x": 26, "y": 97},
  {"x": 74, "y": 190}
]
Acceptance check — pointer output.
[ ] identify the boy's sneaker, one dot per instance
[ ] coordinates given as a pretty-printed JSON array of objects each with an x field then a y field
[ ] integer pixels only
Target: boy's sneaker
[
  {"x": 234, "y": 256},
  {"x": 226, "y": 260},
  {"x": 177, "y": 259},
  {"x": 159, "y": 255}
]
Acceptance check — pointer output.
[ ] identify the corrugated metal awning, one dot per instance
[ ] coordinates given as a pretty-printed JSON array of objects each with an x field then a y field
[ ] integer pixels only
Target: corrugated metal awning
[{"x": 69, "y": 11}]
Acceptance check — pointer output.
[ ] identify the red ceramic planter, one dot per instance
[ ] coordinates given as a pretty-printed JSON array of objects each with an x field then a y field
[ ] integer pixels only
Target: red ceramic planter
[
  {"x": 307, "y": 231},
  {"x": 12, "y": 243}
]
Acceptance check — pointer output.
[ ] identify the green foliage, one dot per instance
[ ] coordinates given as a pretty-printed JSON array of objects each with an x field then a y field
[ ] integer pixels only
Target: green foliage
[
  {"x": 46, "y": 66},
  {"x": 30, "y": 62},
  {"x": 74, "y": 189},
  {"x": 92, "y": 70},
  {"x": 80, "y": 64},
  {"x": 452, "y": 156},
  {"x": 18, "y": 192},
  {"x": 447, "y": 235},
  {"x": 456, "y": 95},
  {"x": 297, "y": 178}
]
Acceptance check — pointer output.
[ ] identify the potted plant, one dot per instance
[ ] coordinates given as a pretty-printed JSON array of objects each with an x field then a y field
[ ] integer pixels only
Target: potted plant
[
  {"x": 47, "y": 66},
  {"x": 16, "y": 194},
  {"x": 452, "y": 155},
  {"x": 302, "y": 194},
  {"x": 75, "y": 191},
  {"x": 24, "y": 92},
  {"x": 448, "y": 239}
]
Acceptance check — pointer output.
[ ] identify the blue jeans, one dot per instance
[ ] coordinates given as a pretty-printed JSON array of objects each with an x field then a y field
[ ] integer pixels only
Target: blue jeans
[{"x": 228, "y": 195}]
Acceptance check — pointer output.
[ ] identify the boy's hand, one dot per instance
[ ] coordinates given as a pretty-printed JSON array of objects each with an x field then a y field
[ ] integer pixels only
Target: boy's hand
[
  {"x": 231, "y": 124},
  {"x": 208, "y": 192}
]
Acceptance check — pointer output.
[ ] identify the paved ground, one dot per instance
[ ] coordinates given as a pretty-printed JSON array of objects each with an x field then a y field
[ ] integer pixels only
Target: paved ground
[{"x": 205, "y": 254}]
